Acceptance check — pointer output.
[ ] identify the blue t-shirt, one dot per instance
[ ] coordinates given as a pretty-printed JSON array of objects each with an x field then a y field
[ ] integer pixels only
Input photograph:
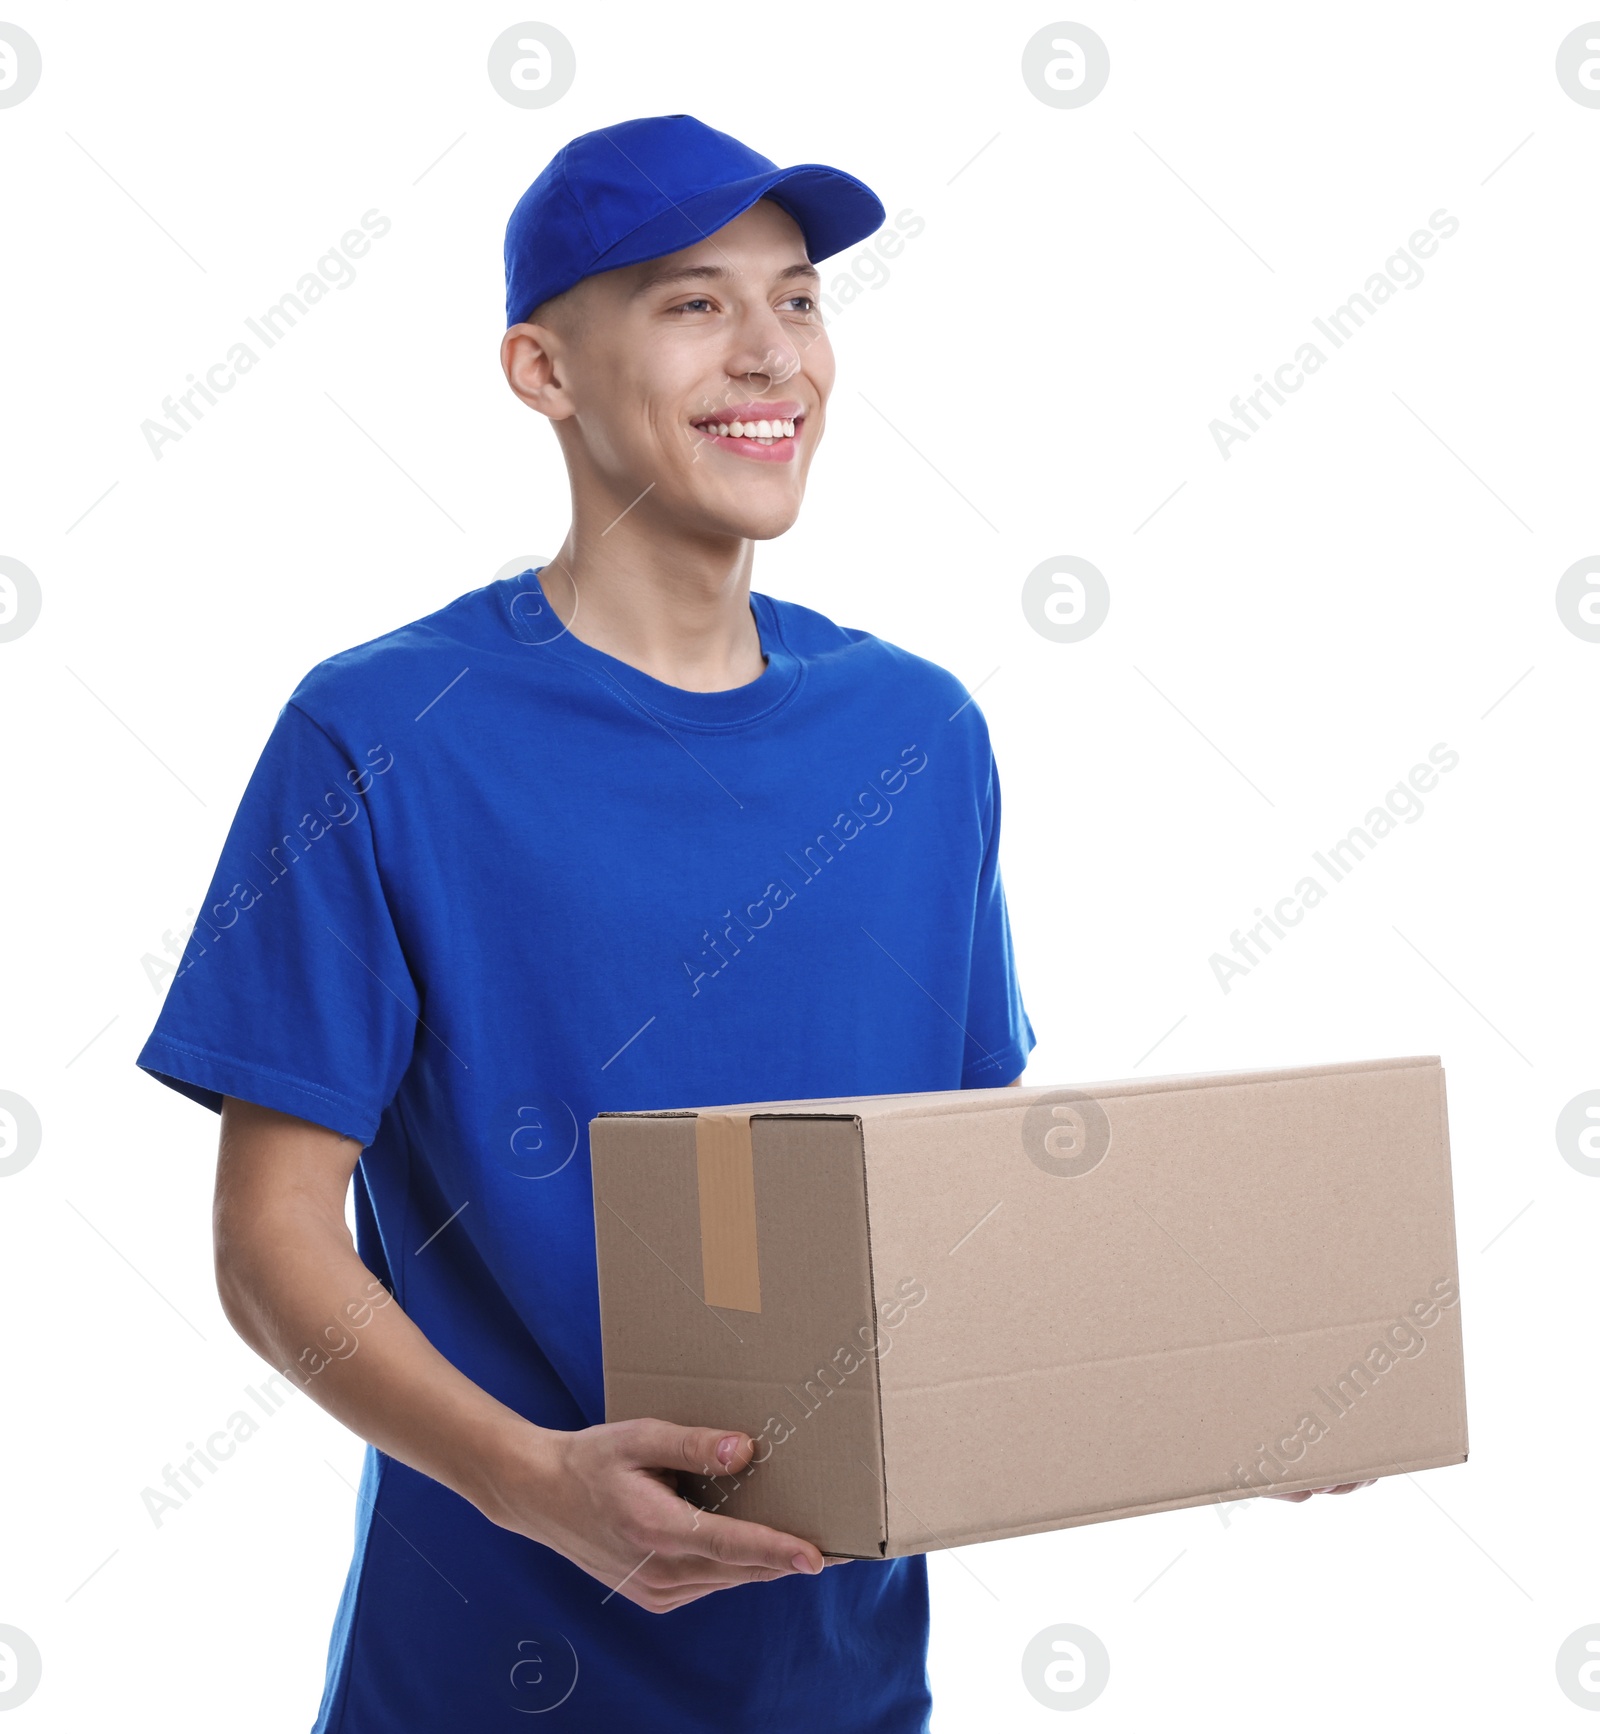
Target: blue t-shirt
[{"x": 486, "y": 881}]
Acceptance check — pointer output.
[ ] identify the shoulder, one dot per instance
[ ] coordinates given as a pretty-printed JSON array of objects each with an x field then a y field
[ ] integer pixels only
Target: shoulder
[
  {"x": 383, "y": 675},
  {"x": 898, "y": 673}
]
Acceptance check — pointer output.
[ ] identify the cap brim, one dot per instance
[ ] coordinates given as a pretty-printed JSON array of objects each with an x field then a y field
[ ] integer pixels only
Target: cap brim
[{"x": 833, "y": 210}]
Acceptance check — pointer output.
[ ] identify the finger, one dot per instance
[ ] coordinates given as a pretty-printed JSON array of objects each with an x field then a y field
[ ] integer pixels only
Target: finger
[
  {"x": 731, "y": 1541},
  {"x": 677, "y": 1576},
  {"x": 694, "y": 1450},
  {"x": 727, "y": 1540},
  {"x": 692, "y": 1591},
  {"x": 1293, "y": 1498}
]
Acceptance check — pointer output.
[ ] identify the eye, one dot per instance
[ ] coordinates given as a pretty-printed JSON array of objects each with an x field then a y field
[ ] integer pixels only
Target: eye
[
  {"x": 694, "y": 302},
  {"x": 808, "y": 305}
]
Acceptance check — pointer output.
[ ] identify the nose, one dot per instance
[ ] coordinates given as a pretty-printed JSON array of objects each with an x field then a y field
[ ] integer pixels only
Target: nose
[{"x": 763, "y": 347}]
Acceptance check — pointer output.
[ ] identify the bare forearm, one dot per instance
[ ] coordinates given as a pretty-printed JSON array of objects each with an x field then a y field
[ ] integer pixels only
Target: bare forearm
[
  {"x": 604, "y": 1496},
  {"x": 294, "y": 1287}
]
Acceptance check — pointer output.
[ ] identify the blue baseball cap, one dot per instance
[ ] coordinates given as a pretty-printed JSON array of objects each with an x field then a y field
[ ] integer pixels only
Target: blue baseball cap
[{"x": 645, "y": 188}]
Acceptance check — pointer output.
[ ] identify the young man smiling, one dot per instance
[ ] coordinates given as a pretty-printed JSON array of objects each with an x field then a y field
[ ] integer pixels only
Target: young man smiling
[{"x": 520, "y": 861}]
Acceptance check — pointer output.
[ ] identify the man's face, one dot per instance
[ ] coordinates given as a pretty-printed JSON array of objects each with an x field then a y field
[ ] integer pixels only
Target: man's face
[{"x": 656, "y": 363}]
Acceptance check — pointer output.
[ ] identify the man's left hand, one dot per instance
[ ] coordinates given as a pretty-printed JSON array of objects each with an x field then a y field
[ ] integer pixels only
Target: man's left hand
[{"x": 1344, "y": 1487}]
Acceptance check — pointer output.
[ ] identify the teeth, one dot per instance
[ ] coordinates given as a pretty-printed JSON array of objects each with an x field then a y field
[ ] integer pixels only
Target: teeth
[{"x": 764, "y": 431}]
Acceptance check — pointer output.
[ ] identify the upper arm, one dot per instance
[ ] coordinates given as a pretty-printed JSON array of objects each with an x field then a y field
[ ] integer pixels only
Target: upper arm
[
  {"x": 294, "y": 991},
  {"x": 268, "y": 1161}
]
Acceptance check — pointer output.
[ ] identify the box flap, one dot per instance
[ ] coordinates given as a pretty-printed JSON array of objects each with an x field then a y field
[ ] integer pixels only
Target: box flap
[{"x": 967, "y": 1101}]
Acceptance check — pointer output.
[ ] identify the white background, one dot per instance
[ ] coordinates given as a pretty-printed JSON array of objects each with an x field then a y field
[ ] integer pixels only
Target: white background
[{"x": 1288, "y": 634}]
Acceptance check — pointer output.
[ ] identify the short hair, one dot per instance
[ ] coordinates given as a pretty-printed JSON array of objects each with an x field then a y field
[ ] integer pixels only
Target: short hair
[{"x": 566, "y": 313}]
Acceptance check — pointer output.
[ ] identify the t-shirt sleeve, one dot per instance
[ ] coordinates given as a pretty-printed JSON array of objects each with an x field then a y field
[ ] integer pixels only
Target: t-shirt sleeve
[
  {"x": 1000, "y": 1035},
  {"x": 293, "y": 989}
]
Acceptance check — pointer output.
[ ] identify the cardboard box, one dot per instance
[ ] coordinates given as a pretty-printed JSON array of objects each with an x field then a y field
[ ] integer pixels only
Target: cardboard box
[{"x": 951, "y": 1317}]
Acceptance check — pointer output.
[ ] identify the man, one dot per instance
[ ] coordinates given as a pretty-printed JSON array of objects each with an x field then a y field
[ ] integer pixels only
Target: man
[{"x": 619, "y": 833}]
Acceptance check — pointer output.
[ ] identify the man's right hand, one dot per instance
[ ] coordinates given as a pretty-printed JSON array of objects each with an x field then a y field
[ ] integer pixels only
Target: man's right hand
[
  {"x": 293, "y": 1286},
  {"x": 607, "y": 1498}
]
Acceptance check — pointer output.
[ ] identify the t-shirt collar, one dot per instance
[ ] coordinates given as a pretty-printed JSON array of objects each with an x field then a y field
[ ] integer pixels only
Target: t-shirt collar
[{"x": 532, "y": 621}]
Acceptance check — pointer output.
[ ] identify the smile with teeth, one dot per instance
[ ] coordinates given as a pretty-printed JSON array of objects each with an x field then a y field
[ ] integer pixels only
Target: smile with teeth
[{"x": 763, "y": 432}]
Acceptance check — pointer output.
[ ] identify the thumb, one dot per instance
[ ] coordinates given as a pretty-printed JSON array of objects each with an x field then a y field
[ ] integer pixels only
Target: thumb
[
  {"x": 697, "y": 1450},
  {"x": 717, "y": 1450}
]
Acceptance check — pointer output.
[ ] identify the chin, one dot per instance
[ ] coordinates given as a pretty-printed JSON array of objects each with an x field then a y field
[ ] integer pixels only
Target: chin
[
  {"x": 766, "y": 529},
  {"x": 753, "y": 523}
]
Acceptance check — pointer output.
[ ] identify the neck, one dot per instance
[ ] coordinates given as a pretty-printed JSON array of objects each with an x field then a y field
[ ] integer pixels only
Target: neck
[{"x": 677, "y": 607}]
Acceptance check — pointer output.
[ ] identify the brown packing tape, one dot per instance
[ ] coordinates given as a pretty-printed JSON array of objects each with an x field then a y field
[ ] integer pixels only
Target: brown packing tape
[{"x": 727, "y": 1178}]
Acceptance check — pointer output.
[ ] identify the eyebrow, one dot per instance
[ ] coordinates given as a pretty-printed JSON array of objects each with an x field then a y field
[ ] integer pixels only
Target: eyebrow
[{"x": 712, "y": 274}]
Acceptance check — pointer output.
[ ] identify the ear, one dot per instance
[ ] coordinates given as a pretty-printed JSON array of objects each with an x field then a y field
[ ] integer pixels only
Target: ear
[{"x": 528, "y": 357}]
